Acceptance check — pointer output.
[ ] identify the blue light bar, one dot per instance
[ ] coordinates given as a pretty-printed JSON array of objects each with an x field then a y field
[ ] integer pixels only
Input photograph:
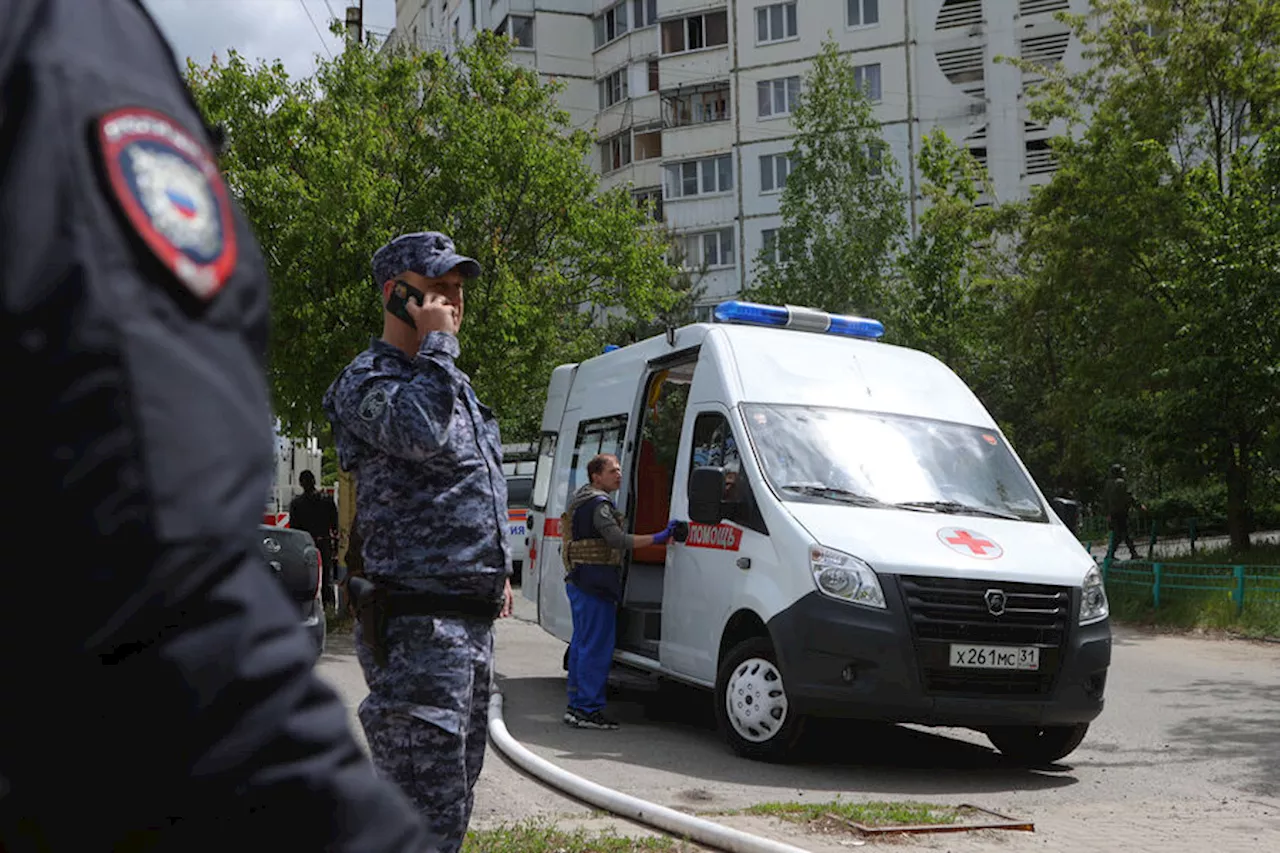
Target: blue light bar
[
  {"x": 611, "y": 347},
  {"x": 754, "y": 314}
]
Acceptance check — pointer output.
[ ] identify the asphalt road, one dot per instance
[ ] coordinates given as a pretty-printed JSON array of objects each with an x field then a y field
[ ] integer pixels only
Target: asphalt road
[{"x": 1186, "y": 754}]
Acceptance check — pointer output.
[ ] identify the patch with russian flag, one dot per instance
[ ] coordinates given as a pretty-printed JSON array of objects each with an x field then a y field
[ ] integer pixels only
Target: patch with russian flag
[{"x": 169, "y": 188}]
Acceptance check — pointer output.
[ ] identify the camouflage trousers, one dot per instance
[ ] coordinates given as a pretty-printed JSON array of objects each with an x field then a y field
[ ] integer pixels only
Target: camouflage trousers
[{"x": 426, "y": 716}]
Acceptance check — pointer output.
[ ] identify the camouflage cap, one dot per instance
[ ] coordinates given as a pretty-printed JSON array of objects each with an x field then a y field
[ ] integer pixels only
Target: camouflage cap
[{"x": 428, "y": 253}]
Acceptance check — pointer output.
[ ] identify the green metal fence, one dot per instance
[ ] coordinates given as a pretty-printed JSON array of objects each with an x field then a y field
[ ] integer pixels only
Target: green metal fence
[{"x": 1255, "y": 584}]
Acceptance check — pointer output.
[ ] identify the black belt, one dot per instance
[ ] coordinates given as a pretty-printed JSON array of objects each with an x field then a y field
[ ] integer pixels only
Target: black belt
[{"x": 435, "y": 604}]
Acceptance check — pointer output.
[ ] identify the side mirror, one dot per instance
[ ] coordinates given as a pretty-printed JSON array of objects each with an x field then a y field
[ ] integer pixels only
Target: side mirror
[
  {"x": 1068, "y": 511},
  {"x": 706, "y": 487}
]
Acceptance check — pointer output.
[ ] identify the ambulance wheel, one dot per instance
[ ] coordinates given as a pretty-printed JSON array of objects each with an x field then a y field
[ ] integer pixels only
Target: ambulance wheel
[
  {"x": 752, "y": 706},
  {"x": 1036, "y": 746}
]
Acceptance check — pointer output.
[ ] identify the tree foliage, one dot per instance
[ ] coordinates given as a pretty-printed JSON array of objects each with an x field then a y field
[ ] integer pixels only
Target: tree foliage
[
  {"x": 329, "y": 168},
  {"x": 1156, "y": 245},
  {"x": 843, "y": 208}
]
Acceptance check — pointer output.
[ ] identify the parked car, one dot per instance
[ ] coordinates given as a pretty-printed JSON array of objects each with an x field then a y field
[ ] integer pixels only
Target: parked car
[{"x": 292, "y": 556}]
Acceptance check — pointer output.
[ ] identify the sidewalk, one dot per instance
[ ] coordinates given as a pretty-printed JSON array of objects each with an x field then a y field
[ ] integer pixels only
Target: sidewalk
[{"x": 1181, "y": 546}]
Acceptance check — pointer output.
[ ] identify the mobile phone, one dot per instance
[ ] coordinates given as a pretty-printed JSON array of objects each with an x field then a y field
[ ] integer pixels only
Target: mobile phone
[{"x": 401, "y": 293}]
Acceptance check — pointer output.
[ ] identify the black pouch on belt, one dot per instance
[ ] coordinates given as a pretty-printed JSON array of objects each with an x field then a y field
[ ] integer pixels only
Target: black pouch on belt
[{"x": 371, "y": 609}]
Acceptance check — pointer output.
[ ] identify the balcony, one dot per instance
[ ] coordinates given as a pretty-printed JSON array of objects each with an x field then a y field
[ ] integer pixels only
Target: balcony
[{"x": 696, "y": 105}]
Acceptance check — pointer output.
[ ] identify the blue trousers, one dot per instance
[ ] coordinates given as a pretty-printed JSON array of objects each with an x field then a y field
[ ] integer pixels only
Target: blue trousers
[{"x": 595, "y": 631}]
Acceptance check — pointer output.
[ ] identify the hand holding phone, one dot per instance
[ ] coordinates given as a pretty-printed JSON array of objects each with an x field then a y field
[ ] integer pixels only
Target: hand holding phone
[{"x": 426, "y": 313}]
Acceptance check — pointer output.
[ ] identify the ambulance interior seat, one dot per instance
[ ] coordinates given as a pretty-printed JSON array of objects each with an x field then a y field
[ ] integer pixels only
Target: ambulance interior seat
[{"x": 652, "y": 510}]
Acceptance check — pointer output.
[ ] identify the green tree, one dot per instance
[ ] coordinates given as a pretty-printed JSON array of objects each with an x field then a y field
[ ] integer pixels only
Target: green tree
[
  {"x": 953, "y": 269},
  {"x": 1157, "y": 242},
  {"x": 329, "y": 168},
  {"x": 843, "y": 208}
]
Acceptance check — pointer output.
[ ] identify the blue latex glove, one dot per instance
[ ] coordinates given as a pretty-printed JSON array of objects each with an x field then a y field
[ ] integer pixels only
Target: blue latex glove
[{"x": 661, "y": 537}]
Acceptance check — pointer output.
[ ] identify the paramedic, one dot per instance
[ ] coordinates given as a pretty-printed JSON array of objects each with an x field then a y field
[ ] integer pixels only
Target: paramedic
[
  {"x": 594, "y": 586},
  {"x": 432, "y": 502},
  {"x": 161, "y": 691}
]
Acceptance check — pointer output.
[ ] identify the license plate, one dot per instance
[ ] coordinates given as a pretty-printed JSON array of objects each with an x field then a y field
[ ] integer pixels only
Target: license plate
[{"x": 995, "y": 657}]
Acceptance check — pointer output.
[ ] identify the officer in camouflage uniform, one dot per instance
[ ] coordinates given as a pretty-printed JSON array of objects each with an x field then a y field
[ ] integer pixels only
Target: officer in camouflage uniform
[{"x": 432, "y": 503}]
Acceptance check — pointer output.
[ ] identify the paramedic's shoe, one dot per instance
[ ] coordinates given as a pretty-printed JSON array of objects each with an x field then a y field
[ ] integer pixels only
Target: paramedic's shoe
[
  {"x": 571, "y": 716},
  {"x": 593, "y": 720}
]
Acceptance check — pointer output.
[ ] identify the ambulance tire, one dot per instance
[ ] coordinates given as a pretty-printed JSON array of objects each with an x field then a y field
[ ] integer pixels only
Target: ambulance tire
[
  {"x": 1037, "y": 746},
  {"x": 761, "y": 725}
]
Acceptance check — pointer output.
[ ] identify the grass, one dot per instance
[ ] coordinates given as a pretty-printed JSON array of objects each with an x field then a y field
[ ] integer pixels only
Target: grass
[
  {"x": 867, "y": 814},
  {"x": 536, "y": 838},
  {"x": 338, "y": 623},
  {"x": 1204, "y": 609}
]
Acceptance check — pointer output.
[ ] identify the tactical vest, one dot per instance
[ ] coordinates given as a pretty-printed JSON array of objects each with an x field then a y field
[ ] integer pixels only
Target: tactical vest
[{"x": 582, "y": 544}]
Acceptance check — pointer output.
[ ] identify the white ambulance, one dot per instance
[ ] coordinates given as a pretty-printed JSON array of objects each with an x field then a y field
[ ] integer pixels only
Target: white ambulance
[{"x": 862, "y": 541}]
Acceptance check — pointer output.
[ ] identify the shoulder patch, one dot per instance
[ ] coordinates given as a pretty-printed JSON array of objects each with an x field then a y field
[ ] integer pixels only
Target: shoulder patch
[
  {"x": 172, "y": 194},
  {"x": 373, "y": 404}
]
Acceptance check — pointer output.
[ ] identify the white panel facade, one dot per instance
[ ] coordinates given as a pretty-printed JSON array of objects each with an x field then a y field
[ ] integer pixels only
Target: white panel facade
[{"x": 694, "y": 71}]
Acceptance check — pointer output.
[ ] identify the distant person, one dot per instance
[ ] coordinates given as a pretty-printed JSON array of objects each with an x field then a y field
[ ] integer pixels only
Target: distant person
[
  {"x": 1116, "y": 502},
  {"x": 317, "y": 514}
]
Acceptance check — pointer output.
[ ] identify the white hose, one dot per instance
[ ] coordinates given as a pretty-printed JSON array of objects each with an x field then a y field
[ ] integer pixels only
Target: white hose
[{"x": 676, "y": 823}]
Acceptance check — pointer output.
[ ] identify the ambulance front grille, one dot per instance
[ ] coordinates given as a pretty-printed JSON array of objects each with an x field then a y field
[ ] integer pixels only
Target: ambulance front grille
[{"x": 944, "y": 611}]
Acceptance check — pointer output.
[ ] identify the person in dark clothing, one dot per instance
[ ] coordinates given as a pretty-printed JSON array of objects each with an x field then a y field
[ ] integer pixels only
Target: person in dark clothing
[
  {"x": 318, "y": 515},
  {"x": 594, "y": 544},
  {"x": 160, "y": 693},
  {"x": 1117, "y": 501}
]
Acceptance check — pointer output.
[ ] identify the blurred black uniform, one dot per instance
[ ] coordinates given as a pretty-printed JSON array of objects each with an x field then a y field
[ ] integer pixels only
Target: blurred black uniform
[{"x": 157, "y": 691}]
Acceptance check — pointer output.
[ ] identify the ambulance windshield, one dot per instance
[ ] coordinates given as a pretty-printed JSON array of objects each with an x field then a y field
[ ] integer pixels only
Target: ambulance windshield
[{"x": 889, "y": 461}]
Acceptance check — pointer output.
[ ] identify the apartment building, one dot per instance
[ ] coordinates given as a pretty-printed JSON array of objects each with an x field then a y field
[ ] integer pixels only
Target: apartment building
[{"x": 690, "y": 100}]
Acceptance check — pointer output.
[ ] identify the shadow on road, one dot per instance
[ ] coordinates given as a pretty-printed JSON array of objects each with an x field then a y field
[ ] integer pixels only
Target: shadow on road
[
  {"x": 673, "y": 729},
  {"x": 1244, "y": 728}
]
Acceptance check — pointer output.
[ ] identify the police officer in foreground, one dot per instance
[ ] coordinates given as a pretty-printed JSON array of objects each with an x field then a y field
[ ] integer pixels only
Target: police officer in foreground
[
  {"x": 432, "y": 503},
  {"x": 594, "y": 543},
  {"x": 158, "y": 692}
]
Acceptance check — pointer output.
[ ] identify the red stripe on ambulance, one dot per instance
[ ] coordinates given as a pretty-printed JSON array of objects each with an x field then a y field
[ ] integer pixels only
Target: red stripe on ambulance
[{"x": 724, "y": 537}]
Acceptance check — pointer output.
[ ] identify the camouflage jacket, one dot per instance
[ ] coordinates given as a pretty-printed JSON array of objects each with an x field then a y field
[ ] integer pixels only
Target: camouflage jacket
[{"x": 430, "y": 493}]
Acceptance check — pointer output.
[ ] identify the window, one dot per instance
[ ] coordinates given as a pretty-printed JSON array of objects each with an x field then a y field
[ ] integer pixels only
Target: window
[
  {"x": 473, "y": 15},
  {"x": 771, "y": 247},
  {"x": 623, "y": 17},
  {"x": 650, "y": 199},
  {"x": 613, "y": 88},
  {"x": 604, "y": 435},
  {"x": 699, "y": 106},
  {"x": 776, "y": 22},
  {"x": 714, "y": 445},
  {"x": 867, "y": 78},
  {"x": 863, "y": 13},
  {"x": 648, "y": 144},
  {"x": 542, "y": 473},
  {"x": 699, "y": 177},
  {"x": 456, "y": 34},
  {"x": 777, "y": 97},
  {"x": 518, "y": 27},
  {"x": 708, "y": 248},
  {"x": 655, "y": 77},
  {"x": 616, "y": 152},
  {"x": 695, "y": 32},
  {"x": 774, "y": 169},
  {"x": 875, "y": 159}
]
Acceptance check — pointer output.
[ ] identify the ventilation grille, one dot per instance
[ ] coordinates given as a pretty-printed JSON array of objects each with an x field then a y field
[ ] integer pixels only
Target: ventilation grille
[
  {"x": 963, "y": 65},
  {"x": 1045, "y": 50},
  {"x": 959, "y": 13},
  {"x": 1041, "y": 7}
]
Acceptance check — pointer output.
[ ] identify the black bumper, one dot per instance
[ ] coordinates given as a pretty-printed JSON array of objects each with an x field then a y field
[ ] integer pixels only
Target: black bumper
[{"x": 820, "y": 642}]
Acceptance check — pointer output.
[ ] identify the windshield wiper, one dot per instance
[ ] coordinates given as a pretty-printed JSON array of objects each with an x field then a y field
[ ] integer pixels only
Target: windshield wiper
[
  {"x": 833, "y": 493},
  {"x": 957, "y": 508}
]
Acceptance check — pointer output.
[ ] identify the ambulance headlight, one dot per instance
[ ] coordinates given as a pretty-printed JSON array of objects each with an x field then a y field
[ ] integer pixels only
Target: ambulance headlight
[
  {"x": 1093, "y": 599},
  {"x": 844, "y": 576}
]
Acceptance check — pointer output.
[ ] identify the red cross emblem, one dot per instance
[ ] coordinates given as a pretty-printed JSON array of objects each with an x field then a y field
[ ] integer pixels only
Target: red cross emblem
[{"x": 970, "y": 543}]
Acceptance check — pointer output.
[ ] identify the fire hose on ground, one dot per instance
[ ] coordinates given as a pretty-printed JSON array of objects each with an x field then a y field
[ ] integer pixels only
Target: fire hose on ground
[{"x": 679, "y": 824}]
